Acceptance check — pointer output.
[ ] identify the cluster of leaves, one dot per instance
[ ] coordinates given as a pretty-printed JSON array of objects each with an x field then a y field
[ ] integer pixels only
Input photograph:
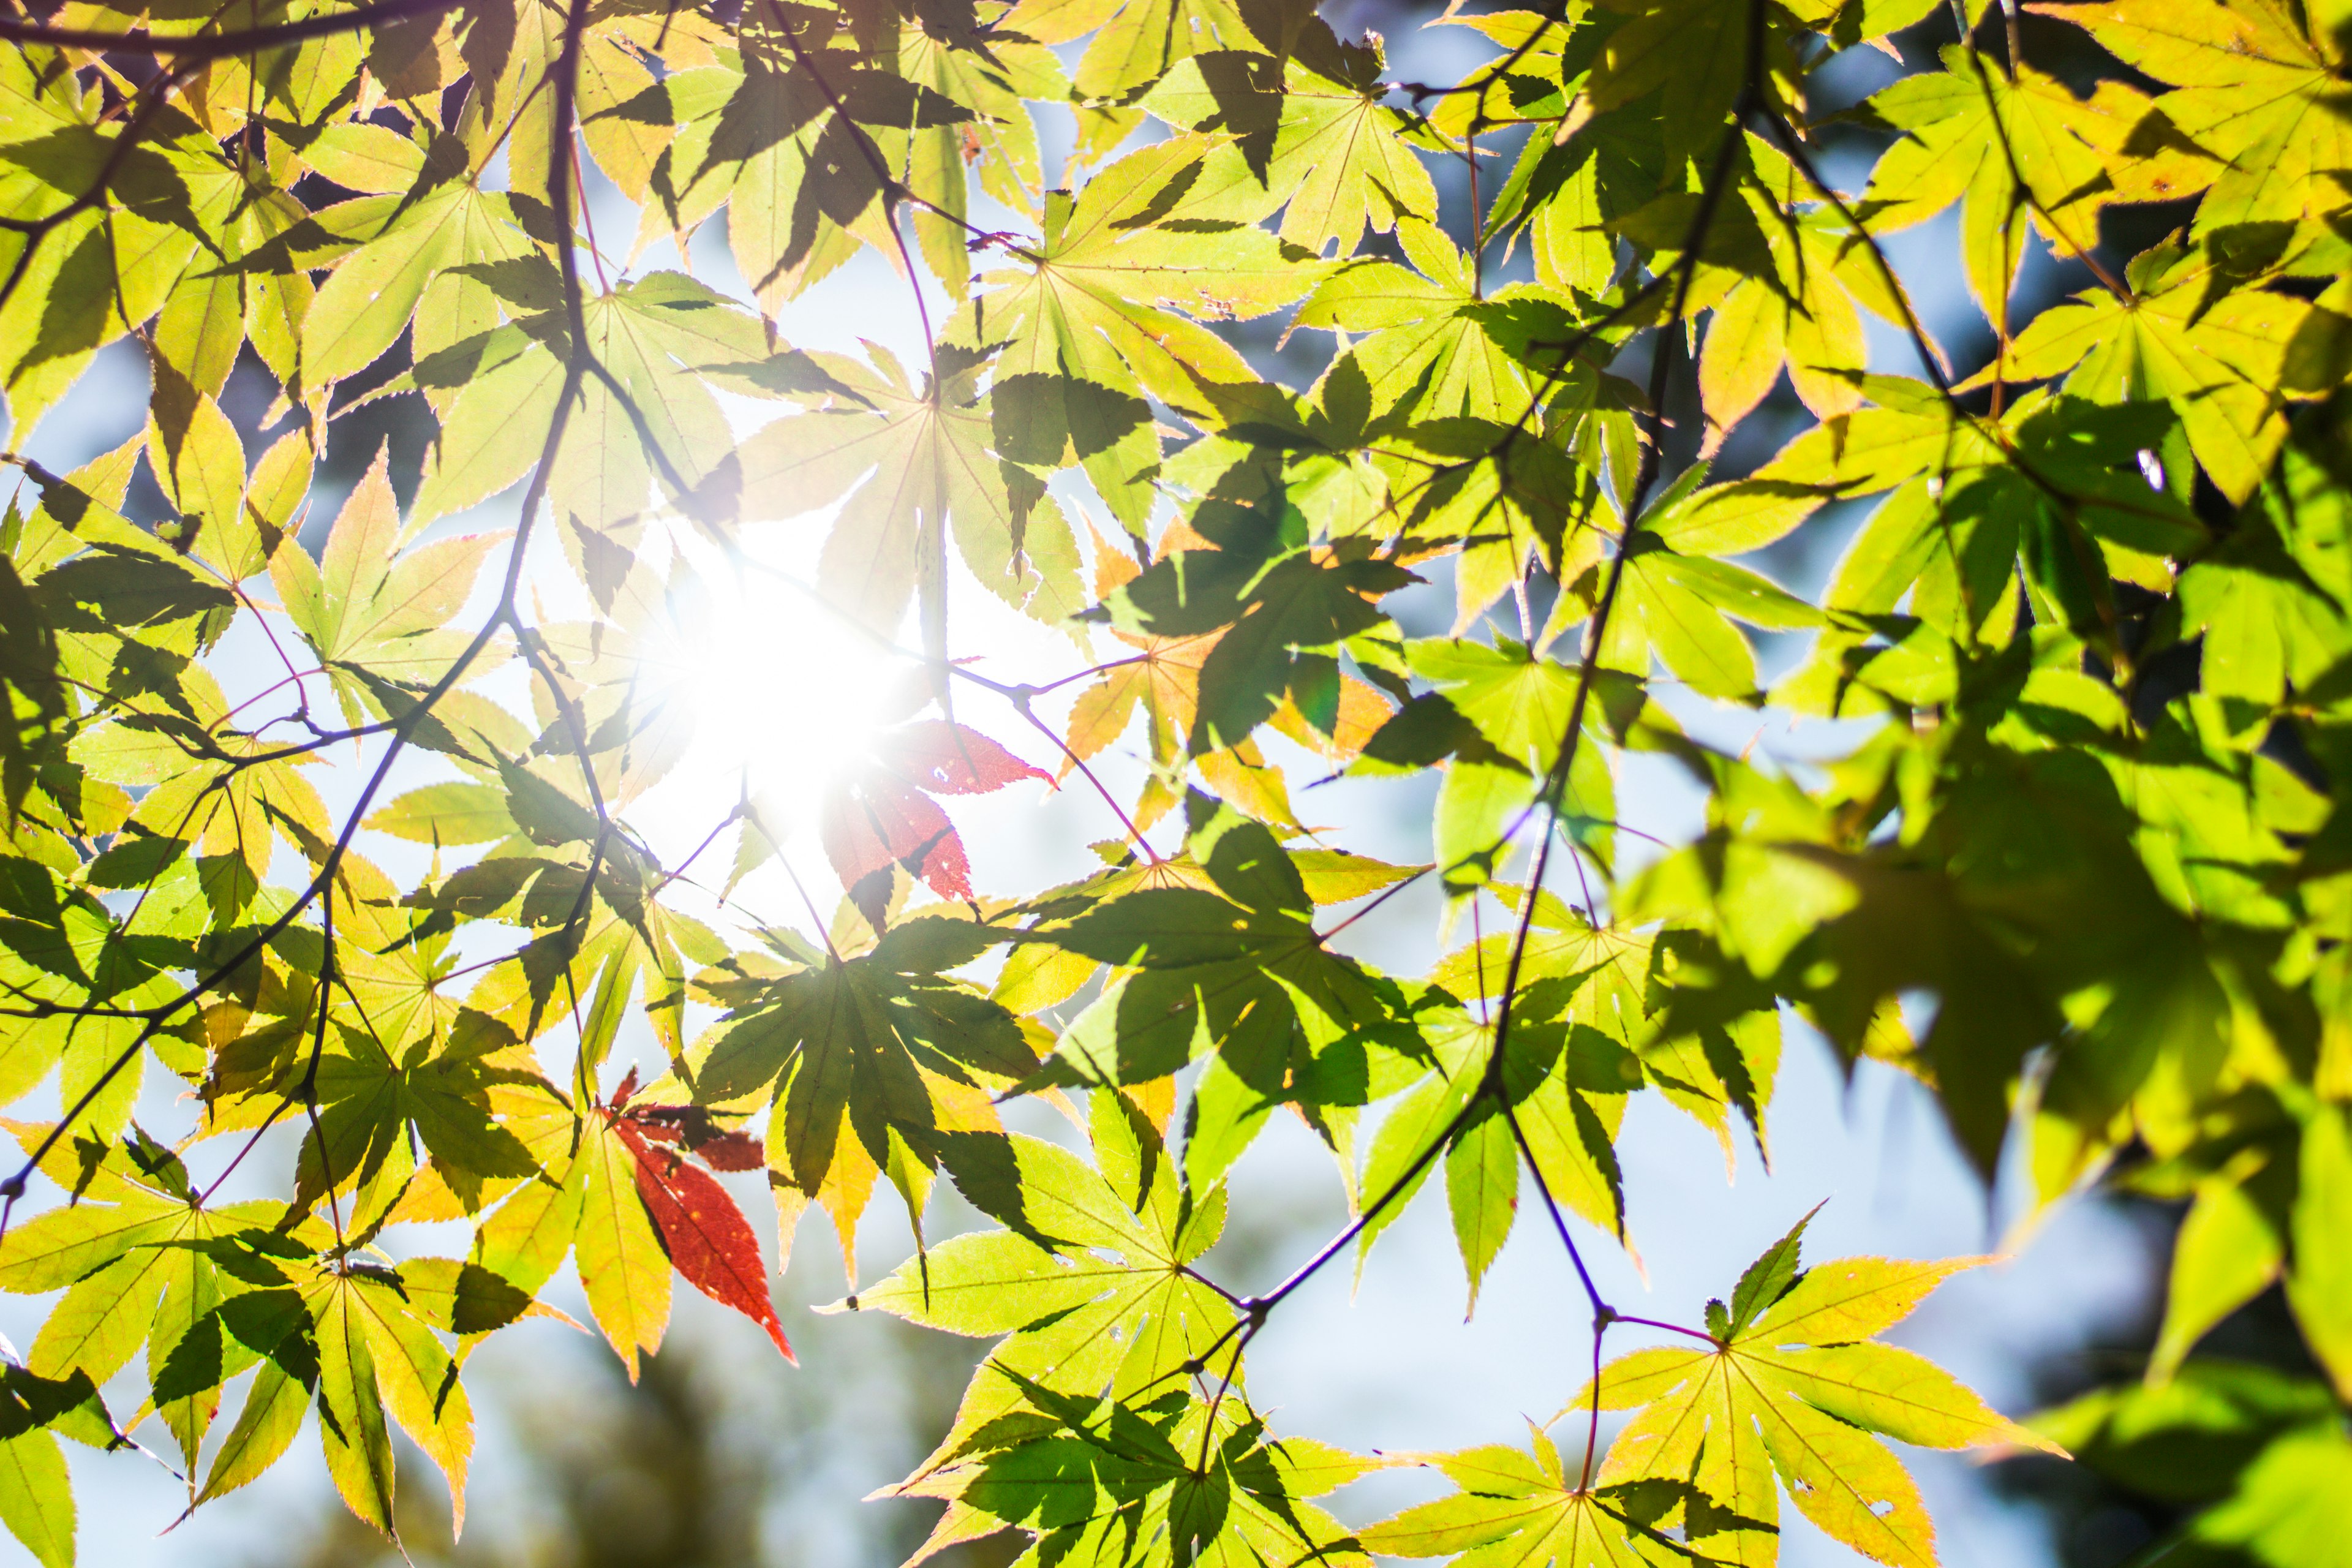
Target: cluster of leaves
[{"x": 2086, "y": 874}]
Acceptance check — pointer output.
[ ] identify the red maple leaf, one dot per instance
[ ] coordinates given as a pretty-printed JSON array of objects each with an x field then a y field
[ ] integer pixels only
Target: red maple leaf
[
  {"x": 883, "y": 815},
  {"x": 721, "y": 1149},
  {"x": 708, "y": 1240}
]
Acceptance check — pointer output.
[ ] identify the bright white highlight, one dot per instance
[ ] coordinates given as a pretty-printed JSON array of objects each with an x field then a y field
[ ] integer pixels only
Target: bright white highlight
[{"x": 780, "y": 694}]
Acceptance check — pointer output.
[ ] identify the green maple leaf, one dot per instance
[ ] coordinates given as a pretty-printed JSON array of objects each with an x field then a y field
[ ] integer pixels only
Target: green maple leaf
[
  {"x": 136, "y": 1253},
  {"x": 405, "y": 245},
  {"x": 1592, "y": 169},
  {"x": 1284, "y": 611},
  {"x": 1481, "y": 1159},
  {"x": 1170, "y": 228},
  {"x": 1516, "y": 707},
  {"x": 876, "y": 1064},
  {"x": 62, "y": 947},
  {"x": 36, "y": 1492},
  {"x": 1295, "y": 616},
  {"x": 1681, "y": 606},
  {"x": 1502, "y": 496},
  {"x": 2055, "y": 482},
  {"x": 917, "y": 466},
  {"x": 1519, "y": 1509},
  {"x": 1135, "y": 42},
  {"x": 1579, "y": 1046},
  {"x": 990, "y": 85},
  {"x": 2252, "y": 87},
  {"x": 665, "y": 338},
  {"x": 2217, "y": 354},
  {"x": 375, "y": 613},
  {"x": 2014, "y": 151},
  {"x": 2272, "y": 597},
  {"x": 1434, "y": 344},
  {"x": 376, "y": 1358},
  {"x": 350, "y": 1338},
  {"x": 206, "y": 792},
  {"x": 376, "y": 1107},
  {"x": 1340, "y": 157},
  {"x": 1694, "y": 54},
  {"x": 660, "y": 336},
  {"x": 1163, "y": 1479},
  {"x": 1793, "y": 1384},
  {"x": 1239, "y": 973},
  {"x": 1799, "y": 313},
  {"x": 793, "y": 151},
  {"x": 1093, "y": 1289}
]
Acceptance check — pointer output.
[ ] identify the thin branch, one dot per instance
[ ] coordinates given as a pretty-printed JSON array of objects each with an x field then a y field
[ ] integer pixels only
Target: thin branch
[{"x": 199, "y": 47}]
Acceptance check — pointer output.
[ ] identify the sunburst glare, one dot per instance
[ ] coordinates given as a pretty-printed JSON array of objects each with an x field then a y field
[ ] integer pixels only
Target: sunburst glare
[{"x": 777, "y": 692}]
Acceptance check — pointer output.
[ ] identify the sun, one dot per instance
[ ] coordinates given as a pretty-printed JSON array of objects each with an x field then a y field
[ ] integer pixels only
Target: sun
[{"x": 777, "y": 692}]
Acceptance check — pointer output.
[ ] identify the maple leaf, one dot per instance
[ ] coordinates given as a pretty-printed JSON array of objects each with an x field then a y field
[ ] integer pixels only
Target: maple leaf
[
  {"x": 792, "y": 148},
  {"x": 1134, "y": 42},
  {"x": 1520, "y": 1510},
  {"x": 1163, "y": 678},
  {"x": 1695, "y": 54},
  {"x": 1800, "y": 313},
  {"x": 2271, "y": 598},
  {"x": 705, "y": 1235},
  {"x": 350, "y": 1338},
  {"x": 376, "y": 614},
  {"x": 227, "y": 796},
  {"x": 1344, "y": 158},
  {"x": 2217, "y": 354},
  {"x": 882, "y": 816},
  {"x": 665, "y": 339},
  {"x": 410, "y": 240},
  {"x": 1098, "y": 305},
  {"x": 1793, "y": 1381},
  {"x": 1434, "y": 342},
  {"x": 1092, "y": 1287},
  {"x": 879, "y": 1064},
  {"x": 1681, "y": 606},
  {"x": 376, "y": 1107},
  {"x": 990, "y": 84},
  {"x": 2252, "y": 87},
  {"x": 1165, "y": 1477},
  {"x": 2049, "y": 484},
  {"x": 934, "y": 471},
  {"x": 1236, "y": 970},
  {"x": 1280, "y": 615},
  {"x": 1500, "y": 714},
  {"x": 134, "y": 1257},
  {"x": 2014, "y": 150}
]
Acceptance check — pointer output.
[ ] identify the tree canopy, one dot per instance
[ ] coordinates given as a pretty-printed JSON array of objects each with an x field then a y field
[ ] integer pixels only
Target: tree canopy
[{"x": 2081, "y": 864}]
